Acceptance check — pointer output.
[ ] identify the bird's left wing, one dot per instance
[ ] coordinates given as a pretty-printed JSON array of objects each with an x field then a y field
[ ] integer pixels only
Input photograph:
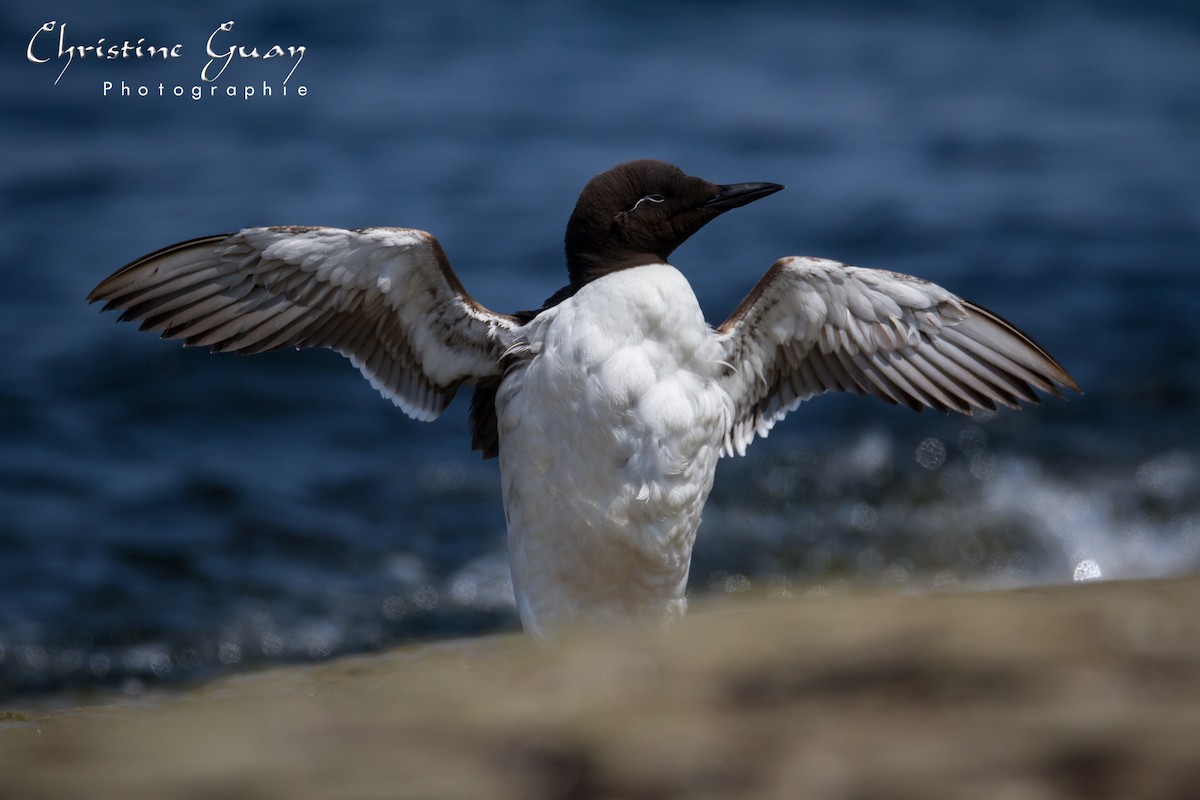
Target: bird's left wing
[
  {"x": 386, "y": 298},
  {"x": 812, "y": 325}
]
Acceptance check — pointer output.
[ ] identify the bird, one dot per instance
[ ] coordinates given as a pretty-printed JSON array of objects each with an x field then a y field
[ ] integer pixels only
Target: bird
[{"x": 609, "y": 406}]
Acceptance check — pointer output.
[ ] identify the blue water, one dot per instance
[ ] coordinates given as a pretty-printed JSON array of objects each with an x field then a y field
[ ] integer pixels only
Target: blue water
[{"x": 166, "y": 514}]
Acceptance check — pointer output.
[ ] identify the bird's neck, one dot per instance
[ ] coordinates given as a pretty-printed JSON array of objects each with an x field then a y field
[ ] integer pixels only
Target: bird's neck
[{"x": 583, "y": 268}]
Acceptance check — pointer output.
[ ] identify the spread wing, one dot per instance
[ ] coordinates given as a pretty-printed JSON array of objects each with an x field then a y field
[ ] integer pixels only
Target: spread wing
[
  {"x": 386, "y": 298},
  {"x": 812, "y": 325}
]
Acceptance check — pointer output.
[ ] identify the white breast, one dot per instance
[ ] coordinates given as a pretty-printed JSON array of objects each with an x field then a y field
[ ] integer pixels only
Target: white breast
[{"x": 609, "y": 437}]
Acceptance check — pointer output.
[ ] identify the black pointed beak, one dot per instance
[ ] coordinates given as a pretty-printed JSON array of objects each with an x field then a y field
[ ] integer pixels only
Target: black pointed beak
[{"x": 736, "y": 195}]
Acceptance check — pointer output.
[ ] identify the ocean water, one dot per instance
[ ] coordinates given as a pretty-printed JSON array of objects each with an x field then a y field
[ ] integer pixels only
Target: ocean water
[{"x": 167, "y": 514}]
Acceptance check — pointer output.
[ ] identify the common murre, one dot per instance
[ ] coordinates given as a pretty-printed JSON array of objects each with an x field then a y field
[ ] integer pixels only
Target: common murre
[{"x": 609, "y": 406}]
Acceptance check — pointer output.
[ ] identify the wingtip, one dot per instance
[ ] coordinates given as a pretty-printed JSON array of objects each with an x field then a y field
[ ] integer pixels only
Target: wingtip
[
  {"x": 1061, "y": 379},
  {"x": 98, "y": 293},
  {"x": 1056, "y": 375}
]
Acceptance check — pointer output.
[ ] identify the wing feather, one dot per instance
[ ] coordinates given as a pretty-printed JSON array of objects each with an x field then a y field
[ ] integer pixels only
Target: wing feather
[
  {"x": 812, "y": 325},
  {"x": 386, "y": 298}
]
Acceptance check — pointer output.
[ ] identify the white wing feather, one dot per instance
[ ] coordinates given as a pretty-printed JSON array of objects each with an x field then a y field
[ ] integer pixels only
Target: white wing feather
[
  {"x": 386, "y": 298},
  {"x": 812, "y": 325}
]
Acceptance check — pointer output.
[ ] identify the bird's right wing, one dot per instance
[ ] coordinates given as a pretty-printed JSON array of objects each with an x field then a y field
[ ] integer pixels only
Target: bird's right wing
[
  {"x": 386, "y": 298},
  {"x": 812, "y": 325}
]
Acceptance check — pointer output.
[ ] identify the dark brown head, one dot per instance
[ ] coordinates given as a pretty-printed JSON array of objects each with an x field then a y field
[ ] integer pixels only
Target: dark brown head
[{"x": 639, "y": 212}]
